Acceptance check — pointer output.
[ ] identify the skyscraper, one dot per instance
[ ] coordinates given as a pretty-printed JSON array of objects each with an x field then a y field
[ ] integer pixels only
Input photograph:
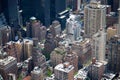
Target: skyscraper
[
  {"x": 114, "y": 54},
  {"x": 35, "y": 29},
  {"x": 44, "y": 10},
  {"x": 94, "y": 17},
  {"x": 5, "y": 33},
  {"x": 114, "y": 4},
  {"x": 99, "y": 45},
  {"x": 73, "y": 27}
]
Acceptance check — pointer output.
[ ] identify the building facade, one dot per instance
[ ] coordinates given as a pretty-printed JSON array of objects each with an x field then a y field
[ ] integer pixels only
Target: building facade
[
  {"x": 114, "y": 54},
  {"x": 37, "y": 74},
  {"x": 72, "y": 57},
  {"x": 99, "y": 45},
  {"x": 94, "y": 17},
  {"x": 35, "y": 29},
  {"x": 64, "y": 71},
  {"x": 8, "y": 65}
]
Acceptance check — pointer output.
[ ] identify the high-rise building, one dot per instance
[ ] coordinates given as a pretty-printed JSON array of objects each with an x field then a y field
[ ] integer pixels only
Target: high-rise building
[
  {"x": 64, "y": 71},
  {"x": 55, "y": 28},
  {"x": 72, "y": 57},
  {"x": 57, "y": 56},
  {"x": 11, "y": 12},
  {"x": 114, "y": 54},
  {"x": 14, "y": 49},
  {"x": 50, "y": 44},
  {"x": 73, "y": 27},
  {"x": 96, "y": 70},
  {"x": 28, "y": 47},
  {"x": 8, "y": 65},
  {"x": 35, "y": 29},
  {"x": 94, "y": 17},
  {"x": 44, "y": 10},
  {"x": 5, "y": 34},
  {"x": 114, "y": 4},
  {"x": 99, "y": 45},
  {"x": 83, "y": 50},
  {"x": 38, "y": 58}
]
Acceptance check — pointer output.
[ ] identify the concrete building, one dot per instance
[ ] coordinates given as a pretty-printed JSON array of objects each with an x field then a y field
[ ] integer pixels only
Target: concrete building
[
  {"x": 94, "y": 17},
  {"x": 64, "y": 71},
  {"x": 50, "y": 44},
  {"x": 111, "y": 19},
  {"x": 37, "y": 74},
  {"x": 14, "y": 49},
  {"x": 28, "y": 47},
  {"x": 99, "y": 45},
  {"x": 114, "y": 54},
  {"x": 111, "y": 31},
  {"x": 27, "y": 67},
  {"x": 57, "y": 56},
  {"x": 38, "y": 58},
  {"x": 35, "y": 29},
  {"x": 72, "y": 57},
  {"x": 55, "y": 28},
  {"x": 8, "y": 65},
  {"x": 96, "y": 70},
  {"x": 73, "y": 27},
  {"x": 83, "y": 50},
  {"x": 5, "y": 34}
]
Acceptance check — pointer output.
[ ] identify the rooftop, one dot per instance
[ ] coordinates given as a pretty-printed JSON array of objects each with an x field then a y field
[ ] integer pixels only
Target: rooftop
[
  {"x": 36, "y": 70},
  {"x": 7, "y": 60},
  {"x": 64, "y": 67},
  {"x": 60, "y": 51},
  {"x": 108, "y": 76},
  {"x": 98, "y": 64},
  {"x": 82, "y": 74}
]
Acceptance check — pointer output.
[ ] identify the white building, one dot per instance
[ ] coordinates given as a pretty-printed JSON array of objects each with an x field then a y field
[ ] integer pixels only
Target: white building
[
  {"x": 73, "y": 27},
  {"x": 99, "y": 45}
]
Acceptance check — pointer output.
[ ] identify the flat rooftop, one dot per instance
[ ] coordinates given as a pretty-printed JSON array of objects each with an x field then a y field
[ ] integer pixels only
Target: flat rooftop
[
  {"x": 61, "y": 67},
  {"x": 7, "y": 60}
]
